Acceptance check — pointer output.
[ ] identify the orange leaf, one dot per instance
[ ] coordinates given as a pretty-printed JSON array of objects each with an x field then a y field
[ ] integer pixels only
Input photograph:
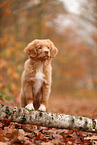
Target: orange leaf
[
  {"x": 3, "y": 4},
  {"x": 9, "y": 71},
  {"x": 1, "y": 77},
  {"x": 3, "y": 63},
  {"x": 5, "y": 36},
  {"x": 2, "y": 138},
  {"x": 15, "y": 76},
  {"x": 7, "y": 12},
  {"x": 3, "y": 43},
  {"x": 13, "y": 86}
]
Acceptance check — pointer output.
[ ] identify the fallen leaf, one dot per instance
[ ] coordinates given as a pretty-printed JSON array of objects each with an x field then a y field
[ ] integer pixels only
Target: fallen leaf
[
  {"x": 2, "y": 138},
  {"x": 3, "y": 143},
  {"x": 5, "y": 121}
]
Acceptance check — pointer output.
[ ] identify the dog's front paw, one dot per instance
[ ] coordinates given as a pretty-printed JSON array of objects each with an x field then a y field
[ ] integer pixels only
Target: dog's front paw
[
  {"x": 42, "y": 108},
  {"x": 30, "y": 106}
]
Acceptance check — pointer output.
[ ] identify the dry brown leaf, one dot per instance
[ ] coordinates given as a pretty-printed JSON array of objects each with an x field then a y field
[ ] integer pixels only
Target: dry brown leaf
[{"x": 3, "y": 143}]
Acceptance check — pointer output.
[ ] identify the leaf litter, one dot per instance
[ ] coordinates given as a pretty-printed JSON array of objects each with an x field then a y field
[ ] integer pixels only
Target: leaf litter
[{"x": 24, "y": 134}]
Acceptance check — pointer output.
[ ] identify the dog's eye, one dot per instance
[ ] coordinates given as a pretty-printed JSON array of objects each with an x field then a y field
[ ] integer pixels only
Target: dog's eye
[
  {"x": 48, "y": 47},
  {"x": 40, "y": 47}
]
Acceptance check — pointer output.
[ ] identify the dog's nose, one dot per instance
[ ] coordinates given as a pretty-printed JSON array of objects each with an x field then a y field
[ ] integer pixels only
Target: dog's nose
[{"x": 46, "y": 52}]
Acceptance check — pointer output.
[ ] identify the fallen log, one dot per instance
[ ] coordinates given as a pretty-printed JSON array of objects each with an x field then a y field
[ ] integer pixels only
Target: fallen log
[{"x": 53, "y": 120}]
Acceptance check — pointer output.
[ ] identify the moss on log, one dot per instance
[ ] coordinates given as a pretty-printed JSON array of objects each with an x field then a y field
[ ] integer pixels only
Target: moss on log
[{"x": 54, "y": 120}]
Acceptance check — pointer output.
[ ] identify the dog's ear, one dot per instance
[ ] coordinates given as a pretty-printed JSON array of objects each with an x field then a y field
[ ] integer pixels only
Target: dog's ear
[
  {"x": 31, "y": 49},
  {"x": 54, "y": 50}
]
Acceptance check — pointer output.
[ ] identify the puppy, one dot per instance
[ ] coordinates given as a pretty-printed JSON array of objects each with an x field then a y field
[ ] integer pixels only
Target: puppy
[{"x": 37, "y": 75}]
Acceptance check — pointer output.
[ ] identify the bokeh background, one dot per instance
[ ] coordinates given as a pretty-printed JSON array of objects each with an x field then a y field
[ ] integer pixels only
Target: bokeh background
[{"x": 70, "y": 24}]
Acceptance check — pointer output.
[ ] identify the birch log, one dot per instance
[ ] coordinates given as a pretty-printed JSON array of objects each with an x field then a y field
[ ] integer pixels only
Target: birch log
[{"x": 54, "y": 120}]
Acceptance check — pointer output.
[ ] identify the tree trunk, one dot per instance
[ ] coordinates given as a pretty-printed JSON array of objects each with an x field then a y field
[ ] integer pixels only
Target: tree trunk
[{"x": 54, "y": 120}]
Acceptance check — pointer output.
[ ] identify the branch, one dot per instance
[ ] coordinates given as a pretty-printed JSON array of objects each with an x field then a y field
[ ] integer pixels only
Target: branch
[{"x": 54, "y": 120}]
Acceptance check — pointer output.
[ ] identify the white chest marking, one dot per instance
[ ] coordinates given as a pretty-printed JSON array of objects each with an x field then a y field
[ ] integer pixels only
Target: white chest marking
[{"x": 38, "y": 79}]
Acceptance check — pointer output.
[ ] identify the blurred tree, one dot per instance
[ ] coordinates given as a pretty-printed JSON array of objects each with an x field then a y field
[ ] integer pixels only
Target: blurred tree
[{"x": 75, "y": 35}]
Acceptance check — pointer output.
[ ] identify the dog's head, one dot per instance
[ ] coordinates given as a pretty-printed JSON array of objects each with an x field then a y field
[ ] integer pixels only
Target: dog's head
[{"x": 41, "y": 49}]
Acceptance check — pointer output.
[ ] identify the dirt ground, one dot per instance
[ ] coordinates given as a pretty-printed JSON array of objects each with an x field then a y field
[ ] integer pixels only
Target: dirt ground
[{"x": 73, "y": 106}]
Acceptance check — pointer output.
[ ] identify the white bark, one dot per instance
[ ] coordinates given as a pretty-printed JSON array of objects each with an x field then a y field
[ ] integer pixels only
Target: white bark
[{"x": 54, "y": 120}]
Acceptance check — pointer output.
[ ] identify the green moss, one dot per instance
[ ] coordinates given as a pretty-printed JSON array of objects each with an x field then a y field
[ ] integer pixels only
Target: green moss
[
  {"x": 80, "y": 118},
  {"x": 52, "y": 118},
  {"x": 56, "y": 116},
  {"x": 7, "y": 110},
  {"x": 19, "y": 110},
  {"x": 35, "y": 116},
  {"x": 40, "y": 114},
  {"x": 94, "y": 123},
  {"x": 72, "y": 120}
]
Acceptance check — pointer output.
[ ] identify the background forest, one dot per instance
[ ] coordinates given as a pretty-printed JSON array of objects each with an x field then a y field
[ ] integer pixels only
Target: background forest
[{"x": 71, "y": 25}]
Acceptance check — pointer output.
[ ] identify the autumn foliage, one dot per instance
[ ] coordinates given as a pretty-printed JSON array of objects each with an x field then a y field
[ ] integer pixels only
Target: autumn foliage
[{"x": 75, "y": 68}]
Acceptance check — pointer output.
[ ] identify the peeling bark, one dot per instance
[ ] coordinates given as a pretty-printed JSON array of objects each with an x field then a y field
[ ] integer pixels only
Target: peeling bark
[{"x": 54, "y": 120}]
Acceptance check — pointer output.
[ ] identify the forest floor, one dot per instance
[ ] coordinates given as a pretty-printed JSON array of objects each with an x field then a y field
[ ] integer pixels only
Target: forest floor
[
  {"x": 73, "y": 106},
  {"x": 19, "y": 134}
]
